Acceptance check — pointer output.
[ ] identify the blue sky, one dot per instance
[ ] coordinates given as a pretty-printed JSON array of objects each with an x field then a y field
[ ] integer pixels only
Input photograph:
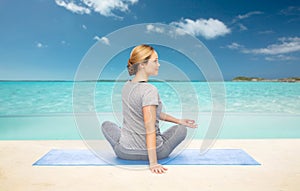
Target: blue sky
[{"x": 46, "y": 39}]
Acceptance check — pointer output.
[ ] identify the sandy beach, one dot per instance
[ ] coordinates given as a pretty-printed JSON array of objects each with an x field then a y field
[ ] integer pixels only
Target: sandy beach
[{"x": 279, "y": 170}]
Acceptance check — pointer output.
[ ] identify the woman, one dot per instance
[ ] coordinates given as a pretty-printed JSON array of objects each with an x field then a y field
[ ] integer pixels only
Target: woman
[{"x": 140, "y": 137}]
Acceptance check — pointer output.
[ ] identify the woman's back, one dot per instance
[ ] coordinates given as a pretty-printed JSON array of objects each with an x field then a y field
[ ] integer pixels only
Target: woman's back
[{"x": 134, "y": 97}]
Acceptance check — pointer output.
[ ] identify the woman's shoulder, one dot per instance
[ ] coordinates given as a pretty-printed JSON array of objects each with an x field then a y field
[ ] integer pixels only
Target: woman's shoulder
[
  {"x": 142, "y": 86},
  {"x": 149, "y": 86}
]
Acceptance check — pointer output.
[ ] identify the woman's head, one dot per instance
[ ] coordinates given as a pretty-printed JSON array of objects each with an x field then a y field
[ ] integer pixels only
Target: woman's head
[{"x": 145, "y": 57}]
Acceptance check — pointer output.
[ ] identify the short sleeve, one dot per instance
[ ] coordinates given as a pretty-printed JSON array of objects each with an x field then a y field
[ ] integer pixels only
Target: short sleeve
[{"x": 150, "y": 96}]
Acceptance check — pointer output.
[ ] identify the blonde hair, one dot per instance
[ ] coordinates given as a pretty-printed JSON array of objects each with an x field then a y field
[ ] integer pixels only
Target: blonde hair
[{"x": 139, "y": 54}]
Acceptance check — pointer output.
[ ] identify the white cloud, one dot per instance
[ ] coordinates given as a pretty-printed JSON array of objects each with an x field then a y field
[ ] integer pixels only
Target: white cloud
[
  {"x": 266, "y": 32},
  {"x": 64, "y": 43},
  {"x": 152, "y": 28},
  {"x": 104, "y": 40},
  {"x": 243, "y": 27},
  {"x": 40, "y": 45},
  {"x": 247, "y": 15},
  {"x": 280, "y": 58},
  {"x": 291, "y": 10},
  {"x": 71, "y": 6},
  {"x": 106, "y": 7},
  {"x": 84, "y": 27},
  {"x": 97, "y": 38},
  {"x": 285, "y": 45},
  {"x": 275, "y": 52},
  {"x": 209, "y": 29},
  {"x": 103, "y": 7},
  {"x": 235, "y": 46}
]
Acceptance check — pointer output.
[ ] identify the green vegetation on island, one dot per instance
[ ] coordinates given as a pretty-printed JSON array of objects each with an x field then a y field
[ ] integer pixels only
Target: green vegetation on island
[{"x": 257, "y": 79}]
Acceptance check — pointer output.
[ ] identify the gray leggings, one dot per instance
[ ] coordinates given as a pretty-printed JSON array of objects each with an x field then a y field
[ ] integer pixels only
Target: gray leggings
[{"x": 172, "y": 137}]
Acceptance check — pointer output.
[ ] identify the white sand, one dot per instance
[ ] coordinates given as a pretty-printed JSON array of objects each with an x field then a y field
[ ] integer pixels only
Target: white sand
[{"x": 280, "y": 170}]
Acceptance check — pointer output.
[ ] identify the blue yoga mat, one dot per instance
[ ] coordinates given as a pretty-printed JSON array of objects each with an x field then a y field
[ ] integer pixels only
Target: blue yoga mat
[{"x": 57, "y": 157}]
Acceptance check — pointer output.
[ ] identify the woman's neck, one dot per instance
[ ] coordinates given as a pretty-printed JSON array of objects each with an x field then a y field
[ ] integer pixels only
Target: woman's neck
[{"x": 140, "y": 77}]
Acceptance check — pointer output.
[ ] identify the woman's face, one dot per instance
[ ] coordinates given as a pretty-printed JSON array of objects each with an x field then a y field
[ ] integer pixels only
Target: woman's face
[{"x": 152, "y": 66}]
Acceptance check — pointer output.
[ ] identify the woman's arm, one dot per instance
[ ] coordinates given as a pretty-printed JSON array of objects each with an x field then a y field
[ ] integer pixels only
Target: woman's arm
[
  {"x": 185, "y": 122},
  {"x": 169, "y": 118},
  {"x": 149, "y": 113}
]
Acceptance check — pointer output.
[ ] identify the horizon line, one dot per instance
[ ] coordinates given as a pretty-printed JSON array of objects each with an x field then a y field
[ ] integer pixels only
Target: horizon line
[{"x": 151, "y": 80}]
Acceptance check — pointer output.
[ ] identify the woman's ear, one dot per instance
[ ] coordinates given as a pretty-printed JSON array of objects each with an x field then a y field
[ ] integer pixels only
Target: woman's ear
[{"x": 142, "y": 65}]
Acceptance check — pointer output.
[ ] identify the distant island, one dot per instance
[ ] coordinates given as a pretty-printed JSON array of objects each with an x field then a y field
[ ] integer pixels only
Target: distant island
[{"x": 257, "y": 79}]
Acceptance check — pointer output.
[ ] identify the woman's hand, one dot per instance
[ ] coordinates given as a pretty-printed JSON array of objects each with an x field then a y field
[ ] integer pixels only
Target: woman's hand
[
  {"x": 185, "y": 122},
  {"x": 188, "y": 123},
  {"x": 157, "y": 169}
]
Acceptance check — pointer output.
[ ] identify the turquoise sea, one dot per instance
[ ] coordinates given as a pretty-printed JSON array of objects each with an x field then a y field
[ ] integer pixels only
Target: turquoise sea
[{"x": 44, "y": 110}]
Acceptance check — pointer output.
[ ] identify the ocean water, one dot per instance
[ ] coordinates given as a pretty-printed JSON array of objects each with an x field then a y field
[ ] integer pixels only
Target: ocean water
[
  {"x": 44, "y": 110},
  {"x": 35, "y": 98}
]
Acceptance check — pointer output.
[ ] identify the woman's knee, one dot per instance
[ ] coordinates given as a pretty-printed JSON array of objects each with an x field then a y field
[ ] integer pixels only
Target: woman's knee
[
  {"x": 106, "y": 124},
  {"x": 110, "y": 128},
  {"x": 111, "y": 132},
  {"x": 182, "y": 130}
]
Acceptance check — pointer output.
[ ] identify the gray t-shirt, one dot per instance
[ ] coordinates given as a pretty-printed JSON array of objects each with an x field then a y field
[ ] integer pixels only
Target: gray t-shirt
[{"x": 134, "y": 97}]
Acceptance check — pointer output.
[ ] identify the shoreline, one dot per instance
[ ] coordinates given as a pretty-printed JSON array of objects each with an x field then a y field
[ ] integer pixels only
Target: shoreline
[{"x": 234, "y": 126}]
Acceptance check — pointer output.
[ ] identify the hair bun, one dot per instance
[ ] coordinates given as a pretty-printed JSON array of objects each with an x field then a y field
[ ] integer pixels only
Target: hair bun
[
  {"x": 129, "y": 63},
  {"x": 130, "y": 68}
]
